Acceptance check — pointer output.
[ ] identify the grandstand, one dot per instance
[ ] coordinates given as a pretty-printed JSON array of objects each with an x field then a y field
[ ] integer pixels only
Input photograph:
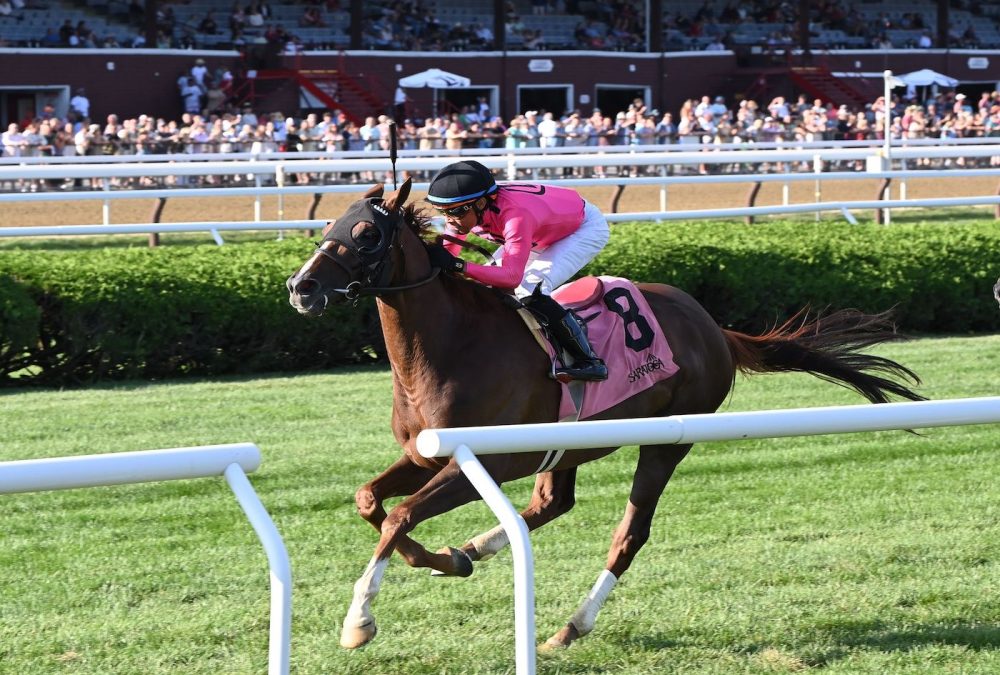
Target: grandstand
[
  {"x": 38, "y": 24},
  {"x": 335, "y": 34},
  {"x": 902, "y": 22},
  {"x": 688, "y": 25},
  {"x": 113, "y": 25}
]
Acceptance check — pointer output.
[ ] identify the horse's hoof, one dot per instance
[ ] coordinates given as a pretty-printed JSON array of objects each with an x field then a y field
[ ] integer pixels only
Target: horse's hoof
[
  {"x": 552, "y": 645},
  {"x": 353, "y": 637},
  {"x": 460, "y": 560},
  {"x": 561, "y": 640}
]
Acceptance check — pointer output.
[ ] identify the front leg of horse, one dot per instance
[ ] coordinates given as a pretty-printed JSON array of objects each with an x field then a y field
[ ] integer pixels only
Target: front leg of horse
[
  {"x": 446, "y": 490},
  {"x": 359, "y": 626},
  {"x": 404, "y": 478}
]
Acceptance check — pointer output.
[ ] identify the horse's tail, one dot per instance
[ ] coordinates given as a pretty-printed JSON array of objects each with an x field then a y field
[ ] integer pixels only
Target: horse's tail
[{"x": 829, "y": 347}]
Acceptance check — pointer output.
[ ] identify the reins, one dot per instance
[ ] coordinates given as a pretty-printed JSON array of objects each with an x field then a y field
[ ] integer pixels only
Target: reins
[
  {"x": 372, "y": 290},
  {"x": 464, "y": 243}
]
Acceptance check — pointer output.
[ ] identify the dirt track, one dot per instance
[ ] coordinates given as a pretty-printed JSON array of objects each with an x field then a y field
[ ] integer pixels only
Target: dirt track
[{"x": 215, "y": 208}]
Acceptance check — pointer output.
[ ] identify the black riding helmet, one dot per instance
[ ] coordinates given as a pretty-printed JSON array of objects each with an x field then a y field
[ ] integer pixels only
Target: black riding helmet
[{"x": 460, "y": 183}]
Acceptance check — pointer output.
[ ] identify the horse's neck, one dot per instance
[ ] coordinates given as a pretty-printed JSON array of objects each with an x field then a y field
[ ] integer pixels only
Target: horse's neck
[{"x": 417, "y": 323}]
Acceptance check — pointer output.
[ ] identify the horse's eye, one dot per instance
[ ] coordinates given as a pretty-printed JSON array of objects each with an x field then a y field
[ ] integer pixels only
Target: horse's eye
[{"x": 367, "y": 237}]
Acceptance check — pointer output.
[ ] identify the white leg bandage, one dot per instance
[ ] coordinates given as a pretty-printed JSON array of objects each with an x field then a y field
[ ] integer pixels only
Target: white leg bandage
[
  {"x": 488, "y": 544},
  {"x": 365, "y": 590},
  {"x": 586, "y": 616}
]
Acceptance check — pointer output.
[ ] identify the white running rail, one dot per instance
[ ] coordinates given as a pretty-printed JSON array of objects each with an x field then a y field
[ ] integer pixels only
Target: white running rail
[
  {"x": 465, "y": 443},
  {"x": 233, "y": 461}
]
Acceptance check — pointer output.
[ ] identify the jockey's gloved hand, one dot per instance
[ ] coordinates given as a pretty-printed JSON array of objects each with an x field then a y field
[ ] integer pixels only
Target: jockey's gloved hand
[{"x": 440, "y": 257}]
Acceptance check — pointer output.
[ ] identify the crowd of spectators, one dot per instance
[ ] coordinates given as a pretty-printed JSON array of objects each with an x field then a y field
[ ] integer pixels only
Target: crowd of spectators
[
  {"x": 411, "y": 25},
  {"x": 831, "y": 23},
  {"x": 415, "y": 25},
  {"x": 704, "y": 123}
]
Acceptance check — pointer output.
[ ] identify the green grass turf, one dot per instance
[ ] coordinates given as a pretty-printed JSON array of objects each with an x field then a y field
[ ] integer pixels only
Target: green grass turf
[{"x": 858, "y": 553}]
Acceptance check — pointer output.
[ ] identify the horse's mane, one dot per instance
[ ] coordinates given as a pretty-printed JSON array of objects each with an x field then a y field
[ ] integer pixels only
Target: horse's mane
[
  {"x": 418, "y": 219},
  {"x": 473, "y": 293}
]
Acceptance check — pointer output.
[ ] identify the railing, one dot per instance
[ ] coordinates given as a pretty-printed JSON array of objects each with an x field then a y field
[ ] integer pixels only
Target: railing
[
  {"x": 872, "y": 143},
  {"x": 464, "y": 444},
  {"x": 264, "y": 170},
  {"x": 232, "y": 461}
]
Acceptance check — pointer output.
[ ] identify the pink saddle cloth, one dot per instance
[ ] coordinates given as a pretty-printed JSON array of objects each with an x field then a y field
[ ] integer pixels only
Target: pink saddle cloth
[{"x": 624, "y": 332}]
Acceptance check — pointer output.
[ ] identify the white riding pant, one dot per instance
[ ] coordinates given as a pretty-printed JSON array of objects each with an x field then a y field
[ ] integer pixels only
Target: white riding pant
[{"x": 553, "y": 266}]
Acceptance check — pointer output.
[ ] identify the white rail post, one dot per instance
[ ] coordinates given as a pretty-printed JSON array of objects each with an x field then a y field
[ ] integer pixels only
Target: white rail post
[
  {"x": 279, "y": 643},
  {"x": 887, "y": 136},
  {"x": 887, "y": 81},
  {"x": 231, "y": 461},
  {"x": 520, "y": 546},
  {"x": 279, "y": 181},
  {"x": 818, "y": 169},
  {"x": 663, "y": 194},
  {"x": 106, "y": 206},
  {"x": 256, "y": 199}
]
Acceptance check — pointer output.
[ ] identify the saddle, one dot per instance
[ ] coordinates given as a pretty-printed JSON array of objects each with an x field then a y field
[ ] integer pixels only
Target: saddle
[
  {"x": 623, "y": 330},
  {"x": 580, "y": 294}
]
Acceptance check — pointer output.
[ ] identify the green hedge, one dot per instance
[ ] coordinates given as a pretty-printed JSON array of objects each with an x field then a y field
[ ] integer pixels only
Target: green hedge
[
  {"x": 939, "y": 277},
  {"x": 157, "y": 313},
  {"x": 77, "y": 316}
]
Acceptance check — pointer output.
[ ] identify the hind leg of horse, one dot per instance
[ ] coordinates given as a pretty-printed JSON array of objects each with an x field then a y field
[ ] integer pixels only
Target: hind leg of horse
[
  {"x": 553, "y": 496},
  {"x": 655, "y": 467},
  {"x": 446, "y": 490},
  {"x": 402, "y": 478}
]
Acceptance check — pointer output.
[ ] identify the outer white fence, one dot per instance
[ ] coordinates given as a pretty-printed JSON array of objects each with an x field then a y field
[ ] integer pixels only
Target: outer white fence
[
  {"x": 266, "y": 169},
  {"x": 232, "y": 461},
  {"x": 465, "y": 443},
  {"x": 443, "y": 153}
]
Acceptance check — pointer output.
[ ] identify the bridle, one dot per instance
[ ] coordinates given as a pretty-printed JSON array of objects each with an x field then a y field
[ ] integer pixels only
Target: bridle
[
  {"x": 355, "y": 289},
  {"x": 371, "y": 260}
]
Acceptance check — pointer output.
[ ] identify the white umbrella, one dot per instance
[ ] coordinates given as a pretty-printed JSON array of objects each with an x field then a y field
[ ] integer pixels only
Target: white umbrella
[
  {"x": 922, "y": 78},
  {"x": 925, "y": 77},
  {"x": 435, "y": 78}
]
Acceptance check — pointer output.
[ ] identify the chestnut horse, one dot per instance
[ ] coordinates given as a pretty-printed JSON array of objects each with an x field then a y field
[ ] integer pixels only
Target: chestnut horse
[{"x": 440, "y": 330}]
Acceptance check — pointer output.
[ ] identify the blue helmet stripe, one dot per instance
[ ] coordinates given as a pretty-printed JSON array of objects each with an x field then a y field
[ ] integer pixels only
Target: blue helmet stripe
[{"x": 463, "y": 198}]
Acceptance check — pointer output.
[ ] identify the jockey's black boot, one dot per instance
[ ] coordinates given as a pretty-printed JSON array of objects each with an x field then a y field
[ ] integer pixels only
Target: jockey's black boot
[
  {"x": 568, "y": 333},
  {"x": 586, "y": 365}
]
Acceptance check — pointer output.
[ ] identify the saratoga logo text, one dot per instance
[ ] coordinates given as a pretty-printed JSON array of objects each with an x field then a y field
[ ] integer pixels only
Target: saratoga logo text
[{"x": 652, "y": 363}]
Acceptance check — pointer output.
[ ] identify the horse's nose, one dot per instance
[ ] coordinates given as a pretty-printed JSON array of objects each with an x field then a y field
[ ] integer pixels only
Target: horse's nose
[{"x": 303, "y": 287}]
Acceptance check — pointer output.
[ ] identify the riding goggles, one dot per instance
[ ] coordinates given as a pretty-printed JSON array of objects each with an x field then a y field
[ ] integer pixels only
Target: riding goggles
[{"x": 456, "y": 211}]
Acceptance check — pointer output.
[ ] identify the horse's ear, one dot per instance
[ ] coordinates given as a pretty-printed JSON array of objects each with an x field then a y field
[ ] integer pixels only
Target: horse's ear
[
  {"x": 374, "y": 191},
  {"x": 397, "y": 199}
]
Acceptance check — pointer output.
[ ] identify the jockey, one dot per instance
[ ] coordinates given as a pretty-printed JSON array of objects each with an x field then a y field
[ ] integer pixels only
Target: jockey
[{"x": 546, "y": 235}]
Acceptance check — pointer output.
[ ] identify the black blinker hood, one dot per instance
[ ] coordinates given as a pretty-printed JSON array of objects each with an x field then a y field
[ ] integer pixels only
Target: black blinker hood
[{"x": 371, "y": 210}]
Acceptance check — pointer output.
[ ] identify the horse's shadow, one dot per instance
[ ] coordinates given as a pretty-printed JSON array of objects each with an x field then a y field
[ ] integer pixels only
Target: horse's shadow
[
  {"x": 843, "y": 637},
  {"x": 884, "y": 638}
]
